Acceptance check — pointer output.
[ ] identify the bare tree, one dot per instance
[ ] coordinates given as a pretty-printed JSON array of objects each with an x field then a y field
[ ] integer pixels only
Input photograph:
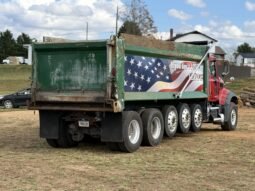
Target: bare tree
[
  {"x": 138, "y": 13},
  {"x": 130, "y": 27}
]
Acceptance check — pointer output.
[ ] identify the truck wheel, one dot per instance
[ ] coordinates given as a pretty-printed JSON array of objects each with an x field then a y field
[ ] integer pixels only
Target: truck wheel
[
  {"x": 184, "y": 117},
  {"x": 65, "y": 138},
  {"x": 8, "y": 104},
  {"x": 231, "y": 124},
  {"x": 170, "y": 120},
  {"x": 53, "y": 142},
  {"x": 132, "y": 131},
  {"x": 153, "y": 127},
  {"x": 197, "y": 117}
]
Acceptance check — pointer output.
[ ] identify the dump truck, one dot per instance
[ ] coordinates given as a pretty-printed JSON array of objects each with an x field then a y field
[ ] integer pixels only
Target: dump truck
[{"x": 128, "y": 91}]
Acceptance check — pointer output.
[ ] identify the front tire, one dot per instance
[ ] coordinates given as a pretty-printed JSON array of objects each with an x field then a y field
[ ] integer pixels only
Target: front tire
[
  {"x": 132, "y": 132},
  {"x": 8, "y": 104},
  {"x": 184, "y": 117},
  {"x": 153, "y": 127},
  {"x": 231, "y": 123}
]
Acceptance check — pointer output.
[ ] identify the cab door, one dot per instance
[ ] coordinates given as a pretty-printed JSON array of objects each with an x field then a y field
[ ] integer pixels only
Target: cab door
[{"x": 214, "y": 82}]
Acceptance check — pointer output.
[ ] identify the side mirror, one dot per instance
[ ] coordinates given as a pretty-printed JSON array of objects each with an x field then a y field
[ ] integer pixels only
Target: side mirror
[{"x": 226, "y": 69}]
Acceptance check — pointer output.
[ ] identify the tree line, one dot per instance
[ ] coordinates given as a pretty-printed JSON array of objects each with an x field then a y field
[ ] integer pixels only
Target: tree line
[
  {"x": 245, "y": 48},
  {"x": 9, "y": 46}
]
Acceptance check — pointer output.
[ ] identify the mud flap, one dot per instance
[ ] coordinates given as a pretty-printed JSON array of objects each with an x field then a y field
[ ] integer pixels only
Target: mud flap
[
  {"x": 112, "y": 128},
  {"x": 49, "y": 124}
]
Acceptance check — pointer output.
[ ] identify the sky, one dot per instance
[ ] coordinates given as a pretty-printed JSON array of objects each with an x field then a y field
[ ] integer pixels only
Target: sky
[{"x": 231, "y": 22}]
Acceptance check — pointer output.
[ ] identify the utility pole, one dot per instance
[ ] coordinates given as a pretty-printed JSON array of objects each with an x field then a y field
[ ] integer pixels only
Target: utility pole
[
  {"x": 117, "y": 19},
  {"x": 87, "y": 30}
]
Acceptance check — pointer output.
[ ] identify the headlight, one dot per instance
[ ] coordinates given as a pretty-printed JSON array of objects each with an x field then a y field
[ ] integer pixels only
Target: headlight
[{"x": 1, "y": 97}]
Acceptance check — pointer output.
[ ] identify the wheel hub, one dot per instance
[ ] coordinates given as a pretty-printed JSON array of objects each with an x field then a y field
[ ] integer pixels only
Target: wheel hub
[
  {"x": 134, "y": 131},
  {"x": 186, "y": 118},
  {"x": 172, "y": 121},
  {"x": 233, "y": 117},
  {"x": 198, "y": 117},
  {"x": 8, "y": 104}
]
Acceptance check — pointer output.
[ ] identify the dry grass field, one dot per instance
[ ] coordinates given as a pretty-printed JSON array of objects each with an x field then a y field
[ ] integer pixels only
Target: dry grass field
[{"x": 208, "y": 160}]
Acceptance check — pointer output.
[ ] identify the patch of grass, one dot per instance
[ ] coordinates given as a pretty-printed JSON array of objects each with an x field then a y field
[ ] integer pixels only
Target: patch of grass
[
  {"x": 14, "y": 78},
  {"x": 238, "y": 85}
]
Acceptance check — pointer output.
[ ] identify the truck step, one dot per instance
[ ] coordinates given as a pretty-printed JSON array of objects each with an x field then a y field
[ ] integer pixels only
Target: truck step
[
  {"x": 214, "y": 108},
  {"x": 219, "y": 119}
]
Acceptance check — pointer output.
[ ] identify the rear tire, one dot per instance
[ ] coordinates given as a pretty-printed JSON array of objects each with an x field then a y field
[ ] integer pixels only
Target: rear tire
[
  {"x": 197, "y": 117},
  {"x": 184, "y": 117},
  {"x": 170, "y": 115},
  {"x": 231, "y": 124},
  {"x": 153, "y": 127},
  {"x": 132, "y": 131}
]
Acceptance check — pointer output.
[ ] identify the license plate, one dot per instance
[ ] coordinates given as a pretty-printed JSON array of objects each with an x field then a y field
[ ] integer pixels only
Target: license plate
[{"x": 83, "y": 123}]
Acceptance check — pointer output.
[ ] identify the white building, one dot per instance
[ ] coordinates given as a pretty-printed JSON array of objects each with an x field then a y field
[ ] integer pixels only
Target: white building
[
  {"x": 246, "y": 59},
  {"x": 29, "y": 57},
  {"x": 198, "y": 38},
  {"x": 194, "y": 37}
]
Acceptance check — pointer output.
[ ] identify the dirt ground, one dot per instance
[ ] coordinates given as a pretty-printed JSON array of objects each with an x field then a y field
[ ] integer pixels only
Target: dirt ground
[{"x": 209, "y": 160}]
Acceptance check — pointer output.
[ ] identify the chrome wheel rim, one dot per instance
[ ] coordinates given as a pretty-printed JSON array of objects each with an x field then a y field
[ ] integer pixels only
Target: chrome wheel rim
[
  {"x": 155, "y": 128},
  {"x": 8, "y": 104},
  {"x": 172, "y": 121},
  {"x": 186, "y": 118},
  {"x": 233, "y": 117},
  {"x": 198, "y": 117},
  {"x": 134, "y": 131}
]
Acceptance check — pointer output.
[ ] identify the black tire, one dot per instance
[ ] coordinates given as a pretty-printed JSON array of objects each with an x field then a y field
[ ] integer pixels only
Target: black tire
[
  {"x": 153, "y": 127},
  {"x": 8, "y": 104},
  {"x": 231, "y": 124},
  {"x": 132, "y": 131},
  {"x": 170, "y": 115},
  {"x": 197, "y": 117},
  {"x": 53, "y": 142},
  {"x": 113, "y": 146},
  {"x": 184, "y": 117}
]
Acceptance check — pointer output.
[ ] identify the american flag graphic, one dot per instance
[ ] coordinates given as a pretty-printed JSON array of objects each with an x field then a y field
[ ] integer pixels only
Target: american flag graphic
[{"x": 147, "y": 74}]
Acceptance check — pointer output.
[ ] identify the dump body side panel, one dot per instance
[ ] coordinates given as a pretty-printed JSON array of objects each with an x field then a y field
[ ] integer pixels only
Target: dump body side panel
[
  {"x": 160, "y": 74},
  {"x": 77, "y": 75}
]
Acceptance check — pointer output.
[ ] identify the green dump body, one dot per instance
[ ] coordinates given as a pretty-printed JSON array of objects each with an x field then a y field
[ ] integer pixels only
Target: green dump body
[
  {"x": 71, "y": 66},
  {"x": 98, "y": 75}
]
